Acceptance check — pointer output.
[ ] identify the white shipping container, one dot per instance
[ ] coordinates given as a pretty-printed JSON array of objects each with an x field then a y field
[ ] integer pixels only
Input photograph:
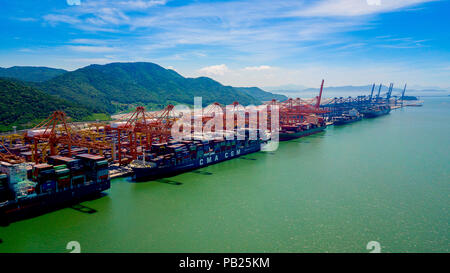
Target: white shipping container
[
  {"x": 33, "y": 133},
  {"x": 16, "y": 172},
  {"x": 118, "y": 124}
]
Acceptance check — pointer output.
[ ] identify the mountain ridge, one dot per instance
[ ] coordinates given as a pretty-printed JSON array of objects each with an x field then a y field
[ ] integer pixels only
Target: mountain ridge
[
  {"x": 31, "y": 73},
  {"x": 103, "y": 88}
]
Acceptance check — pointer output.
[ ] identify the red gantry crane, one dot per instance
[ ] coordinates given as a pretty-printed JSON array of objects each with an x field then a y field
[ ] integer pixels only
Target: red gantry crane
[
  {"x": 55, "y": 131},
  {"x": 294, "y": 111},
  {"x": 7, "y": 156},
  {"x": 150, "y": 127}
]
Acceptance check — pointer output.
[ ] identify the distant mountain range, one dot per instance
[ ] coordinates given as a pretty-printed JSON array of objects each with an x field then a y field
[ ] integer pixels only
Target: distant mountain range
[
  {"x": 261, "y": 94},
  {"x": 285, "y": 87},
  {"x": 339, "y": 91},
  {"x": 114, "y": 87}
]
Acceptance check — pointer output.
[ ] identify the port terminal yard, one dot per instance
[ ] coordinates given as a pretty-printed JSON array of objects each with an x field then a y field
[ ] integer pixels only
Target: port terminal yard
[{"x": 57, "y": 160}]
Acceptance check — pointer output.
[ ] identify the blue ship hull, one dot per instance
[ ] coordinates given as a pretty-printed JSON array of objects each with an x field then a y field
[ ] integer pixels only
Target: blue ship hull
[{"x": 149, "y": 173}]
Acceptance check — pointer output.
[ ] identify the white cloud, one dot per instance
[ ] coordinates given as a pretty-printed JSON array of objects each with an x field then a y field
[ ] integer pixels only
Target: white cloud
[
  {"x": 244, "y": 34},
  {"x": 108, "y": 16},
  {"x": 355, "y": 7},
  {"x": 88, "y": 41},
  {"x": 93, "y": 49},
  {"x": 258, "y": 68},
  {"x": 374, "y": 2},
  {"x": 61, "y": 18},
  {"x": 311, "y": 75},
  {"x": 27, "y": 19},
  {"x": 73, "y": 2},
  {"x": 238, "y": 25},
  {"x": 406, "y": 42},
  {"x": 220, "y": 69},
  {"x": 139, "y": 4}
]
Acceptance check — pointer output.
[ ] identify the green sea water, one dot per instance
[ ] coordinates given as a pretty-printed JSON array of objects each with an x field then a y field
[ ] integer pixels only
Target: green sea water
[{"x": 385, "y": 179}]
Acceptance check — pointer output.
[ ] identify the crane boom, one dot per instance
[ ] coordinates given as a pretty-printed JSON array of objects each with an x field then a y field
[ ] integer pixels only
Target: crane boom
[
  {"x": 320, "y": 95},
  {"x": 403, "y": 93},
  {"x": 371, "y": 93},
  {"x": 379, "y": 91},
  {"x": 388, "y": 95}
]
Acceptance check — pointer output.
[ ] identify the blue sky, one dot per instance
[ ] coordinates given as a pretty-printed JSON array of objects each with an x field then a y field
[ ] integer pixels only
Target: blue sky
[{"x": 241, "y": 43}]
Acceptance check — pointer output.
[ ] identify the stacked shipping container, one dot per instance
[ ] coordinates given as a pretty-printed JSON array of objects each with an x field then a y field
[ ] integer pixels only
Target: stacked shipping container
[
  {"x": 95, "y": 168},
  {"x": 61, "y": 176}
]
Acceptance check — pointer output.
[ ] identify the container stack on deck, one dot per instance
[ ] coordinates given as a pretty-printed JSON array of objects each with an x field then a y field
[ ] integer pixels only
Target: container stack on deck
[
  {"x": 69, "y": 171},
  {"x": 62, "y": 174},
  {"x": 181, "y": 156},
  {"x": 63, "y": 179},
  {"x": 95, "y": 167},
  {"x": 180, "y": 152},
  {"x": 45, "y": 177},
  {"x": 19, "y": 185}
]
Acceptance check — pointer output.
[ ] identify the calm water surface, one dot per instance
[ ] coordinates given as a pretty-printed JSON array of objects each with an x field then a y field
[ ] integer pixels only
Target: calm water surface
[{"x": 385, "y": 179}]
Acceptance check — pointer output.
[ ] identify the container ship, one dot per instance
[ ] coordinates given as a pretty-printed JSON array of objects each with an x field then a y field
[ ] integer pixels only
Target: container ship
[
  {"x": 376, "y": 111},
  {"x": 140, "y": 144},
  {"x": 298, "y": 130},
  {"x": 172, "y": 158},
  {"x": 346, "y": 118},
  {"x": 26, "y": 189}
]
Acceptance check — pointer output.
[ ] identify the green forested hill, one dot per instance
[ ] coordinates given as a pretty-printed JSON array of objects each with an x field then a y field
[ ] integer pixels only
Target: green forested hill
[
  {"x": 102, "y": 87},
  {"x": 107, "y": 89},
  {"x": 22, "y": 105},
  {"x": 30, "y": 73}
]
